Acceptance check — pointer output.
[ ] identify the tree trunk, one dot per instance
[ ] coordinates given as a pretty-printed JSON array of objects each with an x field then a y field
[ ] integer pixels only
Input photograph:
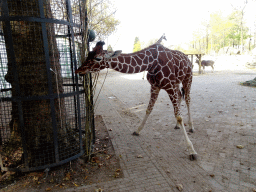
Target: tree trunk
[{"x": 32, "y": 76}]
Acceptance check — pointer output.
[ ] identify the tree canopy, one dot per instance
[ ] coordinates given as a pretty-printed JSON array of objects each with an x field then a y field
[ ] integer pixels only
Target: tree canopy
[
  {"x": 220, "y": 32},
  {"x": 101, "y": 18},
  {"x": 136, "y": 45},
  {"x": 110, "y": 49}
]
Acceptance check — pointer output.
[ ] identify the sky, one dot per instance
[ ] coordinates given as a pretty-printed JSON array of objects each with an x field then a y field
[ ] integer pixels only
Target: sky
[{"x": 177, "y": 19}]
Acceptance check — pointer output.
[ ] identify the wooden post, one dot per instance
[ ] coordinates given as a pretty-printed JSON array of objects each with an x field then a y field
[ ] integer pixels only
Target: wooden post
[
  {"x": 192, "y": 61},
  {"x": 199, "y": 63},
  {"x": 199, "y": 56}
]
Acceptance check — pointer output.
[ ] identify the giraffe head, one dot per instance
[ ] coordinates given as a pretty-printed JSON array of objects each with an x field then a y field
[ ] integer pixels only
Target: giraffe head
[{"x": 97, "y": 59}]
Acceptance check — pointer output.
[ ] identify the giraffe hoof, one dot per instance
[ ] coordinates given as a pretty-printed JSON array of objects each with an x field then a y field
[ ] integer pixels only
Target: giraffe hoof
[
  {"x": 191, "y": 130},
  {"x": 135, "y": 133},
  {"x": 193, "y": 157},
  {"x": 176, "y": 127}
]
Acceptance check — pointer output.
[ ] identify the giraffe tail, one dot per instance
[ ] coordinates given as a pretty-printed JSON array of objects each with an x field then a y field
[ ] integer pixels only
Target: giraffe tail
[{"x": 182, "y": 91}]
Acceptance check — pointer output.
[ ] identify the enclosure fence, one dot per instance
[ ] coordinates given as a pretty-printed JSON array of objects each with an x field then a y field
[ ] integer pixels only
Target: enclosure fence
[{"x": 46, "y": 117}]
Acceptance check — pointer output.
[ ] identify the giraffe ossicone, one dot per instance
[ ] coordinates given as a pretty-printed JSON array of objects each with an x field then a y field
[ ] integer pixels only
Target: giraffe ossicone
[{"x": 166, "y": 68}]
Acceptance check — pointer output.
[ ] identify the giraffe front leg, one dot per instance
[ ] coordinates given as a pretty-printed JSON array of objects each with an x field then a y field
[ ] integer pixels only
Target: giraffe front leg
[
  {"x": 175, "y": 98},
  {"x": 137, "y": 133},
  {"x": 154, "y": 94},
  {"x": 190, "y": 147}
]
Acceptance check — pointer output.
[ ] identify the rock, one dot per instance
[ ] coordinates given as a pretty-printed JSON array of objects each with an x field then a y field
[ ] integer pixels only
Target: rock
[
  {"x": 240, "y": 146},
  {"x": 179, "y": 187}
]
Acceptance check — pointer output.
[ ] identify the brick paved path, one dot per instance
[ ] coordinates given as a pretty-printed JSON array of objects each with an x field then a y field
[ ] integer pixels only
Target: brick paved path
[{"x": 224, "y": 116}]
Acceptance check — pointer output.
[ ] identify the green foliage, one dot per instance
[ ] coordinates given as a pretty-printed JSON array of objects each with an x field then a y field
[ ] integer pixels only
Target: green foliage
[
  {"x": 110, "y": 49},
  {"x": 136, "y": 45},
  {"x": 101, "y": 18},
  {"x": 238, "y": 30},
  {"x": 220, "y": 32}
]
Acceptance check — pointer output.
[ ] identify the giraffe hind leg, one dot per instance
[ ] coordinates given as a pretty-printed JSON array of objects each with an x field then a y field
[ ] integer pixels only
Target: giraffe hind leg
[
  {"x": 190, "y": 147},
  {"x": 182, "y": 92},
  {"x": 154, "y": 94},
  {"x": 187, "y": 87},
  {"x": 176, "y": 99}
]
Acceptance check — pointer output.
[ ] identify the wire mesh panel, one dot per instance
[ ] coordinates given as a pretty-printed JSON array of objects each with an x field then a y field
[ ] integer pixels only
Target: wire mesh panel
[{"x": 44, "y": 107}]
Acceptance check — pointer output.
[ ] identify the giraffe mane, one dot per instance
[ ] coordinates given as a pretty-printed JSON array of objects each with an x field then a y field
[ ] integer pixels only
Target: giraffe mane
[{"x": 143, "y": 50}]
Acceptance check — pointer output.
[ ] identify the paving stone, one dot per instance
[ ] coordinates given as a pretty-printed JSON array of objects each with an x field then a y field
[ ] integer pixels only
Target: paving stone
[
  {"x": 233, "y": 186},
  {"x": 249, "y": 185}
]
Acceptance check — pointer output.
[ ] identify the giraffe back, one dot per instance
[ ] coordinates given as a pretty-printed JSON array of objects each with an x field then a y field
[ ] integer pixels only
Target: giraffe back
[{"x": 169, "y": 66}]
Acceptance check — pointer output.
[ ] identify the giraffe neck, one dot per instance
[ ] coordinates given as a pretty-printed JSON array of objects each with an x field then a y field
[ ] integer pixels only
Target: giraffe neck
[
  {"x": 135, "y": 62},
  {"x": 160, "y": 40}
]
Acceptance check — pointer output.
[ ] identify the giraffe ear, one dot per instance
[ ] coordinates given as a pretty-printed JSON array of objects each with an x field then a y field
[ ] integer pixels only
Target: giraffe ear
[{"x": 114, "y": 55}]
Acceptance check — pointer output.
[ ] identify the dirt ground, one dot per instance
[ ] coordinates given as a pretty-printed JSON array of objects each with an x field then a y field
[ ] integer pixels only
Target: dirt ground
[{"x": 103, "y": 166}]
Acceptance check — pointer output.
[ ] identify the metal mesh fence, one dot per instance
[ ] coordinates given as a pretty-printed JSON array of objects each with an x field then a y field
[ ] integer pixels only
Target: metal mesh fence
[{"x": 43, "y": 107}]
